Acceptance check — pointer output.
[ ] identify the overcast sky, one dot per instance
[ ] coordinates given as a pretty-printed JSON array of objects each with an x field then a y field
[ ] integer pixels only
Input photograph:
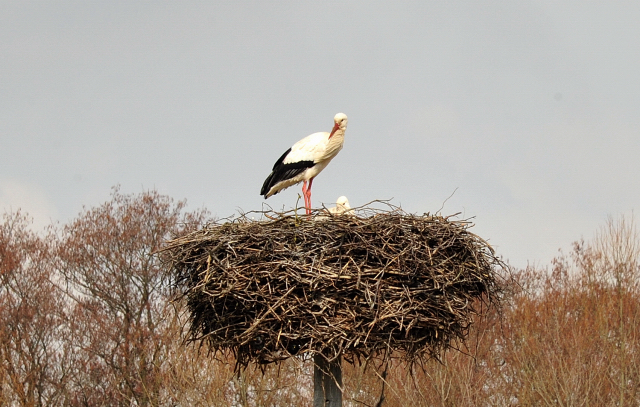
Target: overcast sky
[{"x": 529, "y": 110}]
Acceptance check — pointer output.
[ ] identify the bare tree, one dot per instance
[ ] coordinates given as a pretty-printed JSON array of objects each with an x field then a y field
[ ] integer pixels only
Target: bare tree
[
  {"x": 119, "y": 295},
  {"x": 571, "y": 337},
  {"x": 34, "y": 359}
]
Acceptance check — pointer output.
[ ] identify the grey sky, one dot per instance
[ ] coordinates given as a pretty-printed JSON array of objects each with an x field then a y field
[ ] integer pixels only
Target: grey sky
[{"x": 530, "y": 109}]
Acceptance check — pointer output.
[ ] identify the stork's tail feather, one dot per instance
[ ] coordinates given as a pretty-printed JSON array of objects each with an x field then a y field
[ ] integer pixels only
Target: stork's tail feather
[
  {"x": 268, "y": 183},
  {"x": 284, "y": 172}
]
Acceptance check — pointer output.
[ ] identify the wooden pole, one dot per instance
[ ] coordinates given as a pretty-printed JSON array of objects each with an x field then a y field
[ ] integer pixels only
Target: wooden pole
[{"x": 327, "y": 381}]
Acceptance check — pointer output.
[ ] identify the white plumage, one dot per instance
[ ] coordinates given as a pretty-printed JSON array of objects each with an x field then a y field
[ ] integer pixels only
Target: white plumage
[
  {"x": 342, "y": 207},
  {"x": 305, "y": 160}
]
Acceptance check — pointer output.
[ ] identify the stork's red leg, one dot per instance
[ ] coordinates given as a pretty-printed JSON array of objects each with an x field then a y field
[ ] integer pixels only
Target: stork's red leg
[
  {"x": 304, "y": 194},
  {"x": 309, "y": 196}
]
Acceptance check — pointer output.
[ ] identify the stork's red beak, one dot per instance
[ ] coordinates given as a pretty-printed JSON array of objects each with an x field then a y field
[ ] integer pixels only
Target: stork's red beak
[{"x": 335, "y": 127}]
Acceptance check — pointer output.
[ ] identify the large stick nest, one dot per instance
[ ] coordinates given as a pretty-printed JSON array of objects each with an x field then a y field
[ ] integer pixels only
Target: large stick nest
[{"x": 381, "y": 281}]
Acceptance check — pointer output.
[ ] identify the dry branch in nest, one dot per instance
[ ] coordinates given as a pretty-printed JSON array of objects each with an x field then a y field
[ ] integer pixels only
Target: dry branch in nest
[{"x": 381, "y": 281}]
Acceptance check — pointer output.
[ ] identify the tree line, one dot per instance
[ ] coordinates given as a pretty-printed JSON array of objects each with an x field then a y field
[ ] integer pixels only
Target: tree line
[{"x": 88, "y": 318}]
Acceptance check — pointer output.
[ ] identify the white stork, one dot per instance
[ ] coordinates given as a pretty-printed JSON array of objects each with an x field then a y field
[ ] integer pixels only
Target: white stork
[
  {"x": 305, "y": 160},
  {"x": 342, "y": 207}
]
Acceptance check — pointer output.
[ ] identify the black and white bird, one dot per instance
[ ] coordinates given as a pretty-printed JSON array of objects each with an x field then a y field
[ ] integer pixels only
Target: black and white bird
[{"x": 305, "y": 160}]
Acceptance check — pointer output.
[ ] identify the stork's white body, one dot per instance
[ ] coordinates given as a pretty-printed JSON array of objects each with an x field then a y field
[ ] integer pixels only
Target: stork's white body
[
  {"x": 316, "y": 148},
  {"x": 305, "y": 160}
]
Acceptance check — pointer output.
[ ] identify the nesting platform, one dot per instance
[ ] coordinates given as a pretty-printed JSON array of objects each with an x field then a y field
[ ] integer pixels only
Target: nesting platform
[{"x": 380, "y": 281}]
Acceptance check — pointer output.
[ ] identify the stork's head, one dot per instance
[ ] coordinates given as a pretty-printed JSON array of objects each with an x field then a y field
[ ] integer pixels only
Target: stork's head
[
  {"x": 341, "y": 120},
  {"x": 340, "y": 123},
  {"x": 343, "y": 202}
]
